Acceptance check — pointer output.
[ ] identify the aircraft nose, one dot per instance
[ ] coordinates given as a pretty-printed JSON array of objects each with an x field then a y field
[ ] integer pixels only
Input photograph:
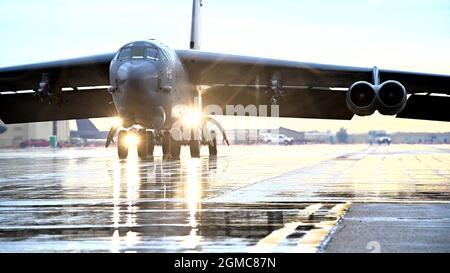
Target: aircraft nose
[
  {"x": 138, "y": 76},
  {"x": 140, "y": 100},
  {"x": 138, "y": 81}
]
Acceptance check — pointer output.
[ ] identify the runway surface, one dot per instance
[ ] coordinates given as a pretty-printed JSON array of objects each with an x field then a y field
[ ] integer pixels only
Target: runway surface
[{"x": 249, "y": 199}]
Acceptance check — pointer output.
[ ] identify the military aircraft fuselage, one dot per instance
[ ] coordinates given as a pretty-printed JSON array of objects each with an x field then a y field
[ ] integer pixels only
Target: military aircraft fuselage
[{"x": 147, "y": 79}]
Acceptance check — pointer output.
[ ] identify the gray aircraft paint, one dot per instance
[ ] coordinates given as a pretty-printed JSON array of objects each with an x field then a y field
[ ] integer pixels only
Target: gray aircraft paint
[
  {"x": 145, "y": 90},
  {"x": 195, "y": 24}
]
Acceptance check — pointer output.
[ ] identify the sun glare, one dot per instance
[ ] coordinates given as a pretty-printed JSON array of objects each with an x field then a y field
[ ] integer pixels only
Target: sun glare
[
  {"x": 192, "y": 118},
  {"x": 132, "y": 139}
]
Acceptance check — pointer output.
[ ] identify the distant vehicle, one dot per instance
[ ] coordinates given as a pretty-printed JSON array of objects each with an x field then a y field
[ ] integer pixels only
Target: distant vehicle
[
  {"x": 34, "y": 143},
  {"x": 276, "y": 139},
  {"x": 2, "y": 129},
  {"x": 384, "y": 140},
  {"x": 379, "y": 137}
]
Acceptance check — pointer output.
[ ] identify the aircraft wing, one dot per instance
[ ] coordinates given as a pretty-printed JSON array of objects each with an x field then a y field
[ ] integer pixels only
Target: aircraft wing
[
  {"x": 85, "y": 78},
  {"x": 309, "y": 90}
]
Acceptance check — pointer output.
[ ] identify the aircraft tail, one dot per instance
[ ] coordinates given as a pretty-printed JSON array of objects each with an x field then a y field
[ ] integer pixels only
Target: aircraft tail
[
  {"x": 2, "y": 129},
  {"x": 85, "y": 125},
  {"x": 195, "y": 26}
]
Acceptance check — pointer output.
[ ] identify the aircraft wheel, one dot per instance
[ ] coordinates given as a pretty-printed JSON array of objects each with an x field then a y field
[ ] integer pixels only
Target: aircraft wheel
[
  {"x": 175, "y": 149},
  {"x": 150, "y": 143},
  {"x": 166, "y": 141},
  {"x": 122, "y": 148},
  {"x": 194, "y": 146},
  {"x": 142, "y": 147},
  {"x": 212, "y": 147}
]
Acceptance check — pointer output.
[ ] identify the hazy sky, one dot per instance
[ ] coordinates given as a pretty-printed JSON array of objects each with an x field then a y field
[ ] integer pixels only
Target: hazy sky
[{"x": 406, "y": 35}]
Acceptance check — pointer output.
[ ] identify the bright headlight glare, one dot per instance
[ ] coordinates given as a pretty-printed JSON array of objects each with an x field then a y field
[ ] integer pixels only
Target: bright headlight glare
[
  {"x": 132, "y": 140},
  {"x": 192, "y": 118}
]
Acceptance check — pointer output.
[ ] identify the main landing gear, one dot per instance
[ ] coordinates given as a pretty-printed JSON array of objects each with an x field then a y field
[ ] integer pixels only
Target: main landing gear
[{"x": 207, "y": 138}]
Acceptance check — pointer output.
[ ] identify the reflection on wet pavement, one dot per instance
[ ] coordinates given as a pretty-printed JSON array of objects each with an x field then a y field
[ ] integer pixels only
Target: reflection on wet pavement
[
  {"x": 87, "y": 200},
  {"x": 376, "y": 174}
]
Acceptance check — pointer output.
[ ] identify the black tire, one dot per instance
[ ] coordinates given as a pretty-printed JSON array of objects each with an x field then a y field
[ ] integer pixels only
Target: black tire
[
  {"x": 166, "y": 141},
  {"x": 212, "y": 147},
  {"x": 150, "y": 143},
  {"x": 194, "y": 146},
  {"x": 142, "y": 147},
  {"x": 122, "y": 148},
  {"x": 175, "y": 149}
]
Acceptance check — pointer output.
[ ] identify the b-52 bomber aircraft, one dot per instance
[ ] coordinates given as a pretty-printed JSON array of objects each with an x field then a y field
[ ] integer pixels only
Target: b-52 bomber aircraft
[{"x": 144, "y": 81}]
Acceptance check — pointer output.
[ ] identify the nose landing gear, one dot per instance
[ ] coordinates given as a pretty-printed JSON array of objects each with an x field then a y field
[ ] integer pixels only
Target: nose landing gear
[
  {"x": 150, "y": 143},
  {"x": 122, "y": 146},
  {"x": 143, "y": 140},
  {"x": 142, "y": 147}
]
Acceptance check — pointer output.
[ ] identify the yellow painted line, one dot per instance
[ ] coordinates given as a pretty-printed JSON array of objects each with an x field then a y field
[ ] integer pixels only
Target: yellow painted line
[
  {"x": 338, "y": 210},
  {"x": 269, "y": 242},
  {"x": 306, "y": 212},
  {"x": 311, "y": 241}
]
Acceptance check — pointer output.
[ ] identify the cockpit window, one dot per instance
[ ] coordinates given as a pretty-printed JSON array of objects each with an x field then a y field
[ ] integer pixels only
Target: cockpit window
[
  {"x": 125, "y": 53},
  {"x": 165, "y": 54},
  {"x": 151, "y": 53},
  {"x": 139, "y": 52}
]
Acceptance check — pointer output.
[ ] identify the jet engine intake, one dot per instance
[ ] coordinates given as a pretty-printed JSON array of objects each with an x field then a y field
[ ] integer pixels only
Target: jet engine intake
[
  {"x": 361, "y": 98},
  {"x": 389, "y": 98},
  {"x": 392, "y": 98}
]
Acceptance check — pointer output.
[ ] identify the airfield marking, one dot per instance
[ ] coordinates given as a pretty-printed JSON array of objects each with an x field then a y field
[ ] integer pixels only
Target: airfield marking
[
  {"x": 58, "y": 209},
  {"x": 273, "y": 239},
  {"x": 311, "y": 241}
]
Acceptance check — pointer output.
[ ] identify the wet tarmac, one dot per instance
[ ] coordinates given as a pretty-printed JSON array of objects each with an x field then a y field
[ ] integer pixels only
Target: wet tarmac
[{"x": 249, "y": 199}]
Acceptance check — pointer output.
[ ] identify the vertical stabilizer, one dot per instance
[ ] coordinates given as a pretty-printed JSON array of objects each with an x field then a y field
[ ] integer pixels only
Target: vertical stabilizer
[
  {"x": 86, "y": 126},
  {"x": 195, "y": 26}
]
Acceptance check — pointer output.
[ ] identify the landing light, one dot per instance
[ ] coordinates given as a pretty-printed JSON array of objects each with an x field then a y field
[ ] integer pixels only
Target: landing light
[
  {"x": 132, "y": 139},
  {"x": 192, "y": 118}
]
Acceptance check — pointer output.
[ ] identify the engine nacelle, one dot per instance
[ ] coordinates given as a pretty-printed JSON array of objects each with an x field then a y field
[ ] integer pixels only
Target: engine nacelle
[
  {"x": 391, "y": 97},
  {"x": 362, "y": 98}
]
